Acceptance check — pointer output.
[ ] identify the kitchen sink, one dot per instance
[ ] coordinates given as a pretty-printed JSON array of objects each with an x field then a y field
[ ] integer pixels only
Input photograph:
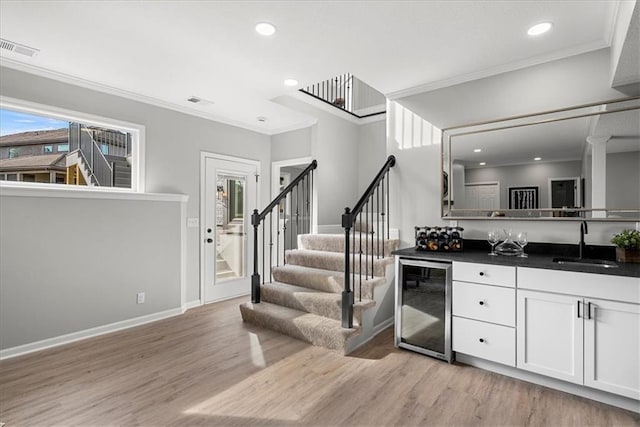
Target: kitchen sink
[{"x": 586, "y": 262}]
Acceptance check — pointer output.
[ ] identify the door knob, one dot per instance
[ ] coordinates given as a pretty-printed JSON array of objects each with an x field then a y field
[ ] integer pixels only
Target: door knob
[{"x": 209, "y": 240}]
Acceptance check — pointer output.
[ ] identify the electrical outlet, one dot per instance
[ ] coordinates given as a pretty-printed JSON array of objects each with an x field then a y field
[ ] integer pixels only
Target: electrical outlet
[
  {"x": 193, "y": 222},
  {"x": 140, "y": 299}
]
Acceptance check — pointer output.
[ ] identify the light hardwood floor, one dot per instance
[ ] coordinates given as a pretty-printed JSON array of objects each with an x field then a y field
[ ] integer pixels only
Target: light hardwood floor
[{"x": 208, "y": 368}]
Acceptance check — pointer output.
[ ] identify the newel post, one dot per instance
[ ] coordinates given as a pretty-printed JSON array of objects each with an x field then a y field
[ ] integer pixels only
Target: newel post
[
  {"x": 347, "y": 295},
  {"x": 255, "y": 277}
]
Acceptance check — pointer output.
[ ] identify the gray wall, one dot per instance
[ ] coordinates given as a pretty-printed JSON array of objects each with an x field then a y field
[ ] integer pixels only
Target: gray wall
[
  {"x": 372, "y": 152},
  {"x": 173, "y": 145},
  {"x": 416, "y": 180},
  {"x": 623, "y": 180},
  {"x": 73, "y": 264},
  {"x": 536, "y": 174},
  {"x": 291, "y": 145},
  {"x": 334, "y": 144}
]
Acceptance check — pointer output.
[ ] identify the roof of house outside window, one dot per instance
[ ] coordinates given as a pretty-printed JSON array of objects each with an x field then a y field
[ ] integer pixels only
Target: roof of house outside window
[
  {"x": 44, "y": 162},
  {"x": 35, "y": 137}
]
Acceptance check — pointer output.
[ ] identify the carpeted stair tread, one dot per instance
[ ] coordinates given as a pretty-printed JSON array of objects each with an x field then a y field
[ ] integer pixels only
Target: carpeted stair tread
[
  {"x": 334, "y": 261},
  {"x": 323, "y": 280},
  {"x": 308, "y": 327},
  {"x": 310, "y": 300},
  {"x": 335, "y": 243}
]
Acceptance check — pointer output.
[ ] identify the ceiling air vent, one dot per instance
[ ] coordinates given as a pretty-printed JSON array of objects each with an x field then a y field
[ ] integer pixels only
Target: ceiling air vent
[
  {"x": 18, "y": 48},
  {"x": 199, "y": 101}
]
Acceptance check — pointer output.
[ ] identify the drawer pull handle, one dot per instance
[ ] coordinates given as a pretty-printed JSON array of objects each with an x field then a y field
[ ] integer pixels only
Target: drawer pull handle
[
  {"x": 481, "y": 339},
  {"x": 482, "y": 273},
  {"x": 481, "y": 302}
]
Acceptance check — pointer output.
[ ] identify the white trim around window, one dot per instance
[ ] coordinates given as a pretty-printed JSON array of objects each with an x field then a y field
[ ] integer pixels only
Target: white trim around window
[{"x": 137, "y": 136}]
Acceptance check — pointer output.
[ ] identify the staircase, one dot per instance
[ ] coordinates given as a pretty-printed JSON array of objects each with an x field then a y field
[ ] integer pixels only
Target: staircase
[{"x": 305, "y": 299}]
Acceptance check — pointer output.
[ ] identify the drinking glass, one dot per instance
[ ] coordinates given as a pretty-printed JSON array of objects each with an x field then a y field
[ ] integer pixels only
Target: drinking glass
[
  {"x": 493, "y": 237},
  {"x": 522, "y": 241}
]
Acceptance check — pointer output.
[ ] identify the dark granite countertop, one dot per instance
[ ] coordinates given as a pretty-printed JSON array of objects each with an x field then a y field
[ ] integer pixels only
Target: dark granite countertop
[{"x": 540, "y": 256}]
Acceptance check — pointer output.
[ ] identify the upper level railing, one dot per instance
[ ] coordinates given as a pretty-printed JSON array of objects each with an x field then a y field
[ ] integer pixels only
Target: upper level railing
[
  {"x": 349, "y": 94},
  {"x": 294, "y": 207},
  {"x": 81, "y": 140},
  {"x": 369, "y": 217}
]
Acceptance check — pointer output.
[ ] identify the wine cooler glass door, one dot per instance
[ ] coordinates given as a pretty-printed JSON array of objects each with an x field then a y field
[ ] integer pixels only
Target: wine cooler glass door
[{"x": 423, "y": 309}]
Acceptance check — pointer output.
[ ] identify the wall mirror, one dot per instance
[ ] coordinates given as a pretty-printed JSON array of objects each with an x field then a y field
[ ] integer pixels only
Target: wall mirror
[{"x": 575, "y": 163}]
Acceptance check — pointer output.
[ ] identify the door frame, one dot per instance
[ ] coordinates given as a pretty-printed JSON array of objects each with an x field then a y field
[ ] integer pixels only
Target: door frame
[
  {"x": 576, "y": 190},
  {"x": 204, "y": 155},
  {"x": 275, "y": 185}
]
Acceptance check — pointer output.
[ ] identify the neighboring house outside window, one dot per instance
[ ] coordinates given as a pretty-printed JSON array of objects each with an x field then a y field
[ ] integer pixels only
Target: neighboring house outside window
[{"x": 75, "y": 153}]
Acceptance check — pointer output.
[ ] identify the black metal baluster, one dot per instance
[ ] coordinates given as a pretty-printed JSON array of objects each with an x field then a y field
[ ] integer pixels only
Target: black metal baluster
[
  {"x": 297, "y": 211},
  {"x": 278, "y": 235},
  {"x": 353, "y": 260},
  {"x": 360, "y": 249},
  {"x": 284, "y": 230},
  {"x": 388, "y": 215},
  {"x": 371, "y": 198},
  {"x": 271, "y": 246},
  {"x": 378, "y": 222},
  {"x": 291, "y": 220},
  {"x": 311, "y": 200},
  {"x": 263, "y": 275},
  {"x": 366, "y": 246},
  {"x": 383, "y": 214}
]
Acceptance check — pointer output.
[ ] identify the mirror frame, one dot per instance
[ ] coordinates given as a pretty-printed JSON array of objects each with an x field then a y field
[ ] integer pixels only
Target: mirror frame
[{"x": 448, "y": 213}]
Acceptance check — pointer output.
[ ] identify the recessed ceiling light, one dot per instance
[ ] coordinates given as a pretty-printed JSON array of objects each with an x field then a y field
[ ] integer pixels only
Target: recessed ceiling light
[
  {"x": 540, "y": 28},
  {"x": 537, "y": 158},
  {"x": 261, "y": 118},
  {"x": 291, "y": 82},
  {"x": 265, "y": 29},
  {"x": 483, "y": 163},
  {"x": 477, "y": 150}
]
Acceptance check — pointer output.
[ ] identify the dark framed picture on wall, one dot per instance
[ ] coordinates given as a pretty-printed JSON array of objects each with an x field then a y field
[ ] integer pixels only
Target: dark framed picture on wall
[{"x": 523, "y": 197}]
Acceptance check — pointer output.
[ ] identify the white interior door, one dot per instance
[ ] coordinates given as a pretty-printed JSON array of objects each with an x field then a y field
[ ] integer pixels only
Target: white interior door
[
  {"x": 482, "y": 196},
  {"x": 230, "y": 197}
]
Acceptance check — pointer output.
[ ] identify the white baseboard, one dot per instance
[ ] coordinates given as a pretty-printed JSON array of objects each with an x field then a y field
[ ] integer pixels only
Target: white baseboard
[
  {"x": 382, "y": 326},
  {"x": 191, "y": 304},
  {"x": 589, "y": 393},
  {"x": 88, "y": 333}
]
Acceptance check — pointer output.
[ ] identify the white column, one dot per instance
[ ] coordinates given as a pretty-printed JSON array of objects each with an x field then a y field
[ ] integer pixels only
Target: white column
[{"x": 598, "y": 174}]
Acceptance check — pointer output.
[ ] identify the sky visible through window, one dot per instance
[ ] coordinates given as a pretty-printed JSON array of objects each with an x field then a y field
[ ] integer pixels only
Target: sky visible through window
[{"x": 15, "y": 122}]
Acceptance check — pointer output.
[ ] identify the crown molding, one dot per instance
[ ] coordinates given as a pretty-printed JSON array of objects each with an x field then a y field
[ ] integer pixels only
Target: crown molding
[
  {"x": 99, "y": 87},
  {"x": 500, "y": 69}
]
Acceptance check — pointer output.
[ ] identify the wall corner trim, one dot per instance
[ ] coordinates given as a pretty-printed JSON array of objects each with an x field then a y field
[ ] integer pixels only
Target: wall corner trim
[{"x": 87, "y": 333}]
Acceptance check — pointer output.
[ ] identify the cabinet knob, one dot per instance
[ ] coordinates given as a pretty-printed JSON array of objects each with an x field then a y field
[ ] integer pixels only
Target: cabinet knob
[
  {"x": 481, "y": 340},
  {"x": 482, "y": 273},
  {"x": 209, "y": 240},
  {"x": 481, "y": 302}
]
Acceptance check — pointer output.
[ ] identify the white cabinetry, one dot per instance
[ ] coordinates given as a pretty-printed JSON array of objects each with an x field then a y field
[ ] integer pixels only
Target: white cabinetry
[
  {"x": 585, "y": 337},
  {"x": 484, "y": 311},
  {"x": 550, "y": 335}
]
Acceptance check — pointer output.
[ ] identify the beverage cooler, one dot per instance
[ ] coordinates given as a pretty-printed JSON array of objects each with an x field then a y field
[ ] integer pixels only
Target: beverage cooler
[{"x": 423, "y": 307}]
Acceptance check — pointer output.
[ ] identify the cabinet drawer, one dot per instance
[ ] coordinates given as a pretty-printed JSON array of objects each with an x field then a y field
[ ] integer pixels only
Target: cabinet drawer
[
  {"x": 483, "y": 302},
  {"x": 485, "y": 340},
  {"x": 488, "y": 274}
]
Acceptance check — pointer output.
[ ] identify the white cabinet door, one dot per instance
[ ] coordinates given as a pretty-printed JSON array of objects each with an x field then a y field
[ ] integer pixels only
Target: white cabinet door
[
  {"x": 550, "y": 335},
  {"x": 612, "y": 347}
]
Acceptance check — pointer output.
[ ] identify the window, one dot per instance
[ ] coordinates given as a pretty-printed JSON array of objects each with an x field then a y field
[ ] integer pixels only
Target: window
[{"x": 83, "y": 142}]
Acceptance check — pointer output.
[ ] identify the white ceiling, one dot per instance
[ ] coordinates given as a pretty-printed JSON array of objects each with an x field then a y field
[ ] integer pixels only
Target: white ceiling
[{"x": 164, "y": 52}]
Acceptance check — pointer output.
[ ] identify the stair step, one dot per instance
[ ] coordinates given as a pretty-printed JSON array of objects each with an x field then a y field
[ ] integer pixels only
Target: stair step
[
  {"x": 323, "y": 280},
  {"x": 335, "y": 243},
  {"x": 335, "y": 261},
  {"x": 325, "y": 304},
  {"x": 308, "y": 327}
]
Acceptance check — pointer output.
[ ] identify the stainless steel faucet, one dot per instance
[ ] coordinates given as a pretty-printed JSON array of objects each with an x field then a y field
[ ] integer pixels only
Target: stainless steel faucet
[{"x": 583, "y": 230}]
